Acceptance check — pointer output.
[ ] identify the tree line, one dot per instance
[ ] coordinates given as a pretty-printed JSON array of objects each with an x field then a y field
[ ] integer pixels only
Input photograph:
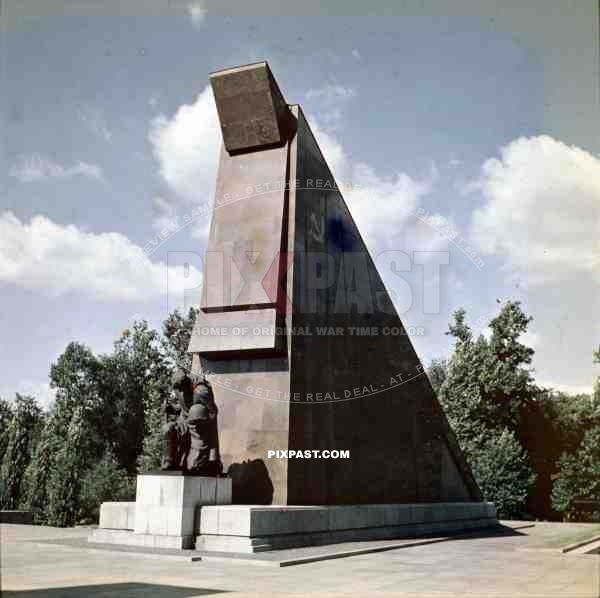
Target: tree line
[
  {"x": 535, "y": 452},
  {"x": 101, "y": 430}
]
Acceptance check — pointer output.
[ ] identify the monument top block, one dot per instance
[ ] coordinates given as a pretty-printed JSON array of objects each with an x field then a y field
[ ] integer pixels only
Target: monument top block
[{"x": 251, "y": 108}]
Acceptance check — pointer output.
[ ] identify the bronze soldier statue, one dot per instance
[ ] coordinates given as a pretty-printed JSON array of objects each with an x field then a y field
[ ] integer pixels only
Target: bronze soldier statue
[{"x": 190, "y": 432}]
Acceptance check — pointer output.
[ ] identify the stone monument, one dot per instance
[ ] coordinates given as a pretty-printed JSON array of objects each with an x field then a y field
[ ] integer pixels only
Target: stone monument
[
  {"x": 306, "y": 352},
  {"x": 306, "y": 358}
]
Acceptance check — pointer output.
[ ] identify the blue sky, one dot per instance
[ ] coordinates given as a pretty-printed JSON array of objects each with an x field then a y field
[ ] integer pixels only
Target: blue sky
[{"x": 485, "y": 119}]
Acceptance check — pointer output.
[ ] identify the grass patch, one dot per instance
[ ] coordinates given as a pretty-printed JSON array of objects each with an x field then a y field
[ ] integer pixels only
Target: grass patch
[{"x": 571, "y": 536}]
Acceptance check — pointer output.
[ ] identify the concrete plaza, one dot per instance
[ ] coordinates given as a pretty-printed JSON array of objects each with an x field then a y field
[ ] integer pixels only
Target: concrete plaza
[{"x": 41, "y": 562}]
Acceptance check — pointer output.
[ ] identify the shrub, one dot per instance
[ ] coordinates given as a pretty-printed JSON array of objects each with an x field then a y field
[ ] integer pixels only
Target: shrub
[
  {"x": 502, "y": 471},
  {"x": 578, "y": 480},
  {"x": 105, "y": 482}
]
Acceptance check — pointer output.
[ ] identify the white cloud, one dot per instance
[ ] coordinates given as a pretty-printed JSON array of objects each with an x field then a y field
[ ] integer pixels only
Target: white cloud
[
  {"x": 94, "y": 121},
  {"x": 541, "y": 217},
  {"x": 186, "y": 146},
  {"x": 55, "y": 260},
  {"x": 197, "y": 13},
  {"x": 331, "y": 92},
  {"x": 381, "y": 205},
  {"x": 331, "y": 100},
  {"x": 164, "y": 216},
  {"x": 36, "y": 167},
  {"x": 542, "y": 209}
]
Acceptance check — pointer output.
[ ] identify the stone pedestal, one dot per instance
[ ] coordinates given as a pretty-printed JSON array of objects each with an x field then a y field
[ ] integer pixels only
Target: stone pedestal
[
  {"x": 117, "y": 515},
  {"x": 164, "y": 512},
  {"x": 253, "y": 528}
]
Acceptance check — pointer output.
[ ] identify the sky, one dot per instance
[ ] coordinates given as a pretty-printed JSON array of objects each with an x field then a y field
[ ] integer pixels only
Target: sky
[{"x": 477, "y": 121}]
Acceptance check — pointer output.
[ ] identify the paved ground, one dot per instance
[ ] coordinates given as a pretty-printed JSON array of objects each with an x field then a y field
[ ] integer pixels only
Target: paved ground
[{"x": 524, "y": 563}]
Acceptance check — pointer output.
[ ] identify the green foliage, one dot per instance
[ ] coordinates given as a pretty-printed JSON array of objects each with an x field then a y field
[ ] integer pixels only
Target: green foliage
[
  {"x": 134, "y": 380},
  {"x": 489, "y": 382},
  {"x": 437, "y": 373},
  {"x": 75, "y": 377},
  {"x": 37, "y": 474},
  {"x": 6, "y": 415},
  {"x": 177, "y": 332},
  {"x": 151, "y": 456},
  {"x": 104, "y": 482},
  {"x": 22, "y": 433},
  {"x": 488, "y": 391},
  {"x": 487, "y": 388},
  {"x": 576, "y": 474},
  {"x": 501, "y": 468},
  {"x": 578, "y": 479},
  {"x": 66, "y": 476},
  {"x": 104, "y": 424}
]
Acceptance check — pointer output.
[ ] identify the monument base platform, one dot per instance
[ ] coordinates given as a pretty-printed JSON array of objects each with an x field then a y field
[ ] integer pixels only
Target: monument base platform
[
  {"x": 122, "y": 537},
  {"x": 165, "y": 511},
  {"x": 249, "y": 528}
]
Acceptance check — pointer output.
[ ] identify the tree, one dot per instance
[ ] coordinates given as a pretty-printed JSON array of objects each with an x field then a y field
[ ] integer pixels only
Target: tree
[
  {"x": 578, "y": 479},
  {"x": 21, "y": 436},
  {"x": 437, "y": 372},
  {"x": 65, "y": 478},
  {"x": 37, "y": 474},
  {"x": 177, "y": 333},
  {"x": 487, "y": 388},
  {"x": 106, "y": 481},
  {"x": 75, "y": 377},
  {"x": 135, "y": 378},
  {"x": 73, "y": 438},
  {"x": 502, "y": 470},
  {"x": 6, "y": 414}
]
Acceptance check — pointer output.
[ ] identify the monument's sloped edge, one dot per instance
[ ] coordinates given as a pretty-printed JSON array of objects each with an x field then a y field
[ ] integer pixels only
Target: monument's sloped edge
[{"x": 406, "y": 432}]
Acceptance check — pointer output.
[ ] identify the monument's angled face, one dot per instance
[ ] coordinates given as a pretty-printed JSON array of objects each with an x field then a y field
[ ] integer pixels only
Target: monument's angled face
[{"x": 297, "y": 334}]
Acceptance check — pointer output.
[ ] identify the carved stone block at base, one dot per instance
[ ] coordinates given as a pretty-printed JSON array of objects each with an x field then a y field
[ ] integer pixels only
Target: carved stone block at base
[
  {"x": 164, "y": 514},
  {"x": 117, "y": 515},
  {"x": 165, "y": 505}
]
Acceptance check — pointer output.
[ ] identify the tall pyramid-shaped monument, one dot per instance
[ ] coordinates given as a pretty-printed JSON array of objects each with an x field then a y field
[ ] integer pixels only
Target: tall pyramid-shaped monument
[{"x": 297, "y": 333}]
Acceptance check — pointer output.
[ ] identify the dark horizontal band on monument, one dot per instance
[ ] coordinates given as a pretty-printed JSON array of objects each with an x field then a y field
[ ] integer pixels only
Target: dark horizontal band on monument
[{"x": 221, "y": 309}]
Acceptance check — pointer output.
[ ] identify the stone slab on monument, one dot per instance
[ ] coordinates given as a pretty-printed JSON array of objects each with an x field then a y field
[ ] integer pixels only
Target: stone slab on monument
[
  {"x": 165, "y": 511},
  {"x": 252, "y": 528}
]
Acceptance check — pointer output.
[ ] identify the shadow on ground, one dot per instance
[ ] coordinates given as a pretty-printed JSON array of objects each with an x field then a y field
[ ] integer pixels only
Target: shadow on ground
[{"x": 122, "y": 590}]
